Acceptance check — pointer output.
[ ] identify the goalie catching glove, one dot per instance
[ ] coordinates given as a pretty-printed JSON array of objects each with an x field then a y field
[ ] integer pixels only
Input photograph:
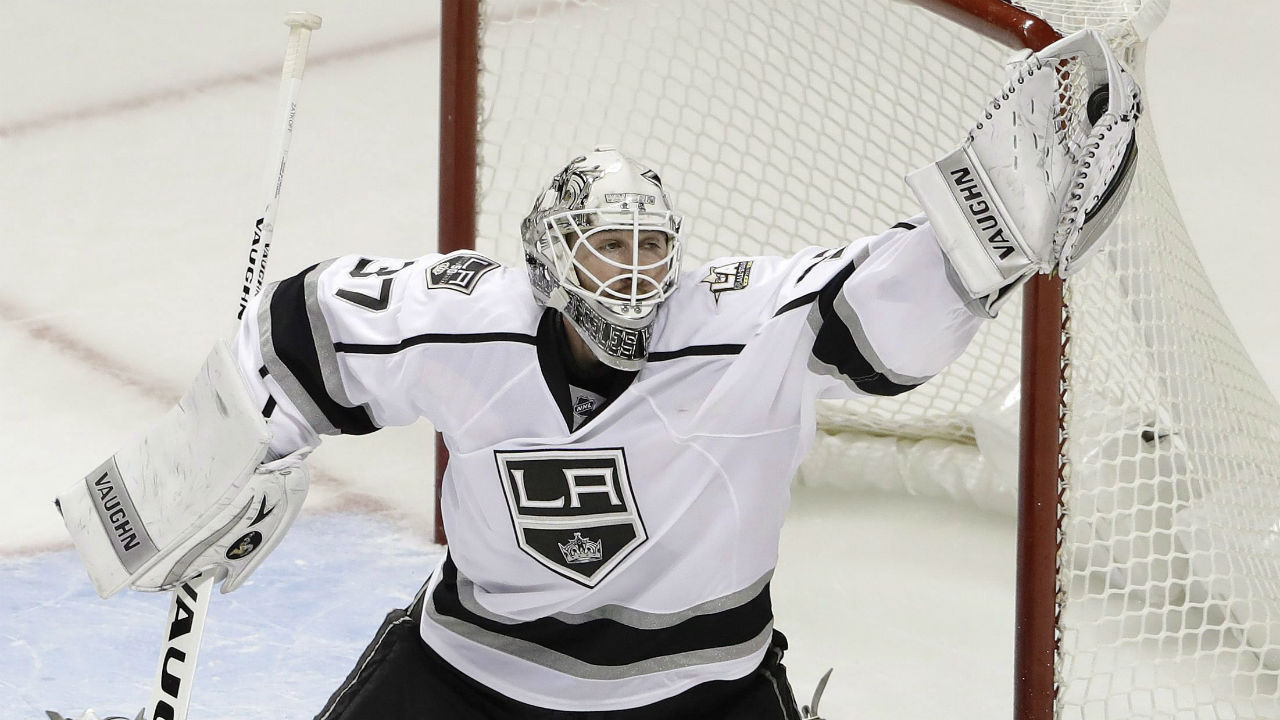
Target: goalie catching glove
[
  {"x": 1041, "y": 175},
  {"x": 192, "y": 497}
]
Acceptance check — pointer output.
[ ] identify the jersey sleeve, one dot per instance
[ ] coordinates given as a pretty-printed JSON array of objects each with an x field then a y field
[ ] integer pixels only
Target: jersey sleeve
[
  {"x": 885, "y": 312},
  {"x": 291, "y": 340}
]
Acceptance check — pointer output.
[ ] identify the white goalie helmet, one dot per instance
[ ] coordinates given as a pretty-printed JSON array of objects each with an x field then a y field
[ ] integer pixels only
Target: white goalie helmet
[{"x": 602, "y": 245}]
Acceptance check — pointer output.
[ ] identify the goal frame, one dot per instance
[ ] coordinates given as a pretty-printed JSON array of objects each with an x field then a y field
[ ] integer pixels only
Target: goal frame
[{"x": 1045, "y": 317}]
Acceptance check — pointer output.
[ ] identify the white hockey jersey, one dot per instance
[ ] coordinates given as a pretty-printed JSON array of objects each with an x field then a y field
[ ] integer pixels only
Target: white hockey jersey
[{"x": 613, "y": 548}]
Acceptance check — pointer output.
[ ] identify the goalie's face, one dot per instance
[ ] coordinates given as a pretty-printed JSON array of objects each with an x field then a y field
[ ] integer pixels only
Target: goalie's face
[{"x": 629, "y": 270}]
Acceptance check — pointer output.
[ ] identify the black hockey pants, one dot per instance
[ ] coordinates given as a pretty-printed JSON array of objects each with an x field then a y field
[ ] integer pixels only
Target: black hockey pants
[{"x": 398, "y": 676}]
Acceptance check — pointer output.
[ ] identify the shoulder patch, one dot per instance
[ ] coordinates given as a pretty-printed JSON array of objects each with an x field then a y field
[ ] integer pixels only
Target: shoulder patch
[
  {"x": 731, "y": 276},
  {"x": 459, "y": 272}
]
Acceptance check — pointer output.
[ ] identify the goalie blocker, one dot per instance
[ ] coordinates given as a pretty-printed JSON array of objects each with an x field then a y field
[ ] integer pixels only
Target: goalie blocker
[
  {"x": 1041, "y": 176},
  {"x": 191, "y": 497}
]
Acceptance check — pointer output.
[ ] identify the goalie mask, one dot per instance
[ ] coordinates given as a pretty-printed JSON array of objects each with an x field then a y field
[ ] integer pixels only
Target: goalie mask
[{"x": 602, "y": 245}]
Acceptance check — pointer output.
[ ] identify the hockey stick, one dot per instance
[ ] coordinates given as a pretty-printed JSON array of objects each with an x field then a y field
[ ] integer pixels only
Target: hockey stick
[
  {"x": 171, "y": 693},
  {"x": 300, "y": 26}
]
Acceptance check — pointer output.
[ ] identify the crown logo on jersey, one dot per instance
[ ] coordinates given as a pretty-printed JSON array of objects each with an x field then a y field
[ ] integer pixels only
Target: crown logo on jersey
[{"x": 582, "y": 550}]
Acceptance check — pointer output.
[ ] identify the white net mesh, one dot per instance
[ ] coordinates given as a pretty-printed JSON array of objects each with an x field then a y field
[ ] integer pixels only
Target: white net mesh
[
  {"x": 784, "y": 123},
  {"x": 767, "y": 150}
]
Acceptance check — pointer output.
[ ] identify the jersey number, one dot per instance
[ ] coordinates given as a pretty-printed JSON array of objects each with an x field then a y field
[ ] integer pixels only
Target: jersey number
[{"x": 374, "y": 303}]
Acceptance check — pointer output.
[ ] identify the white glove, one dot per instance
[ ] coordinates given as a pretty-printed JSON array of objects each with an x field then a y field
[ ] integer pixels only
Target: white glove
[
  {"x": 236, "y": 541},
  {"x": 1041, "y": 175}
]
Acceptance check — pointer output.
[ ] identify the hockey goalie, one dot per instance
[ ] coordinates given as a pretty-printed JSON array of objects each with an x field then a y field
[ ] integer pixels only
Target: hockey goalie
[{"x": 622, "y": 431}]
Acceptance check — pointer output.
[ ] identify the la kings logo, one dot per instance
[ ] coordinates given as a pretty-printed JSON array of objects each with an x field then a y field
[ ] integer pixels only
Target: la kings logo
[
  {"x": 459, "y": 272},
  {"x": 573, "y": 510}
]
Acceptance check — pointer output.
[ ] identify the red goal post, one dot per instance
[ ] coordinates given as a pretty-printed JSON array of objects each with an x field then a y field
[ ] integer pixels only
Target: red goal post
[
  {"x": 1145, "y": 487},
  {"x": 459, "y": 126}
]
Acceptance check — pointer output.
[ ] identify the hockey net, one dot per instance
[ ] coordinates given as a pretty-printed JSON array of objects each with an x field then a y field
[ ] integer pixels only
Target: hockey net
[{"x": 780, "y": 124}]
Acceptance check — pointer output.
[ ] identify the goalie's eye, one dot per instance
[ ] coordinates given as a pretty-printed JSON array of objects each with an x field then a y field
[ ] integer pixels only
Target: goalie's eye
[
  {"x": 618, "y": 244},
  {"x": 654, "y": 243}
]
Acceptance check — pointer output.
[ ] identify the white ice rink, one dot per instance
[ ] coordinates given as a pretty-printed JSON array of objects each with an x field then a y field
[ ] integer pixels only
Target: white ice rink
[{"x": 132, "y": 139}]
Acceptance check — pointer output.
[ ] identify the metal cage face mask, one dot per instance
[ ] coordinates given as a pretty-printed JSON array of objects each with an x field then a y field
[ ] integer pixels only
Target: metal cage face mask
[
  {"x": 629, "y": 263},
  {"x": 602, "y": 245}
]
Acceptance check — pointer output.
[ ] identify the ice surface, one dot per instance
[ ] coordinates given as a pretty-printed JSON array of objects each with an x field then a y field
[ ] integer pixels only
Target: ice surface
[{"x": 275, "y": 648}]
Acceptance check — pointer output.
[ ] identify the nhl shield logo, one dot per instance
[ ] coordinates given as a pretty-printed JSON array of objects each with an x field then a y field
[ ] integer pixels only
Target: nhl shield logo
[{"x": 573, "y": 510}]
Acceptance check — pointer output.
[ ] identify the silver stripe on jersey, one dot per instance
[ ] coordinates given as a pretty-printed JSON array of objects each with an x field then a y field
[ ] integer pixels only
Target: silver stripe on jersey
[
  {"x": 627, "y": 616},
  {"x": 323, "y": 341},
  {"x": 861, "y": 255},
  {"x": 281, "y": 374},
  {"x": 849, "y": 318},
  {"x": 559, "y": 662}
]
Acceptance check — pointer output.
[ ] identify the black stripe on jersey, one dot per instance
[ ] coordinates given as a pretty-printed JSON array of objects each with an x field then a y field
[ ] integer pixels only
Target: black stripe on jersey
[
  {"x": 293, "y": 341},
  {"x": 798, "y": 302},
  {"x": 693, "y": 350},
  {"x": 835, "y": 345},
  {"x": 822, "y": 257},
  {"x": 810, "y": 297},
  {"x": 555, "y": 359},
  {"x": 430, "y": 339},
  {"x": 609, "y": 643},
  {"x": 270, "y": 405}
]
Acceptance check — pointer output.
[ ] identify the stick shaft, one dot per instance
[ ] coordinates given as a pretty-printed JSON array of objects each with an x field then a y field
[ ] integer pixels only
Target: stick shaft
[
  {"x": 278, "y": 155},
  {"x": 171, "y": 692}
]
